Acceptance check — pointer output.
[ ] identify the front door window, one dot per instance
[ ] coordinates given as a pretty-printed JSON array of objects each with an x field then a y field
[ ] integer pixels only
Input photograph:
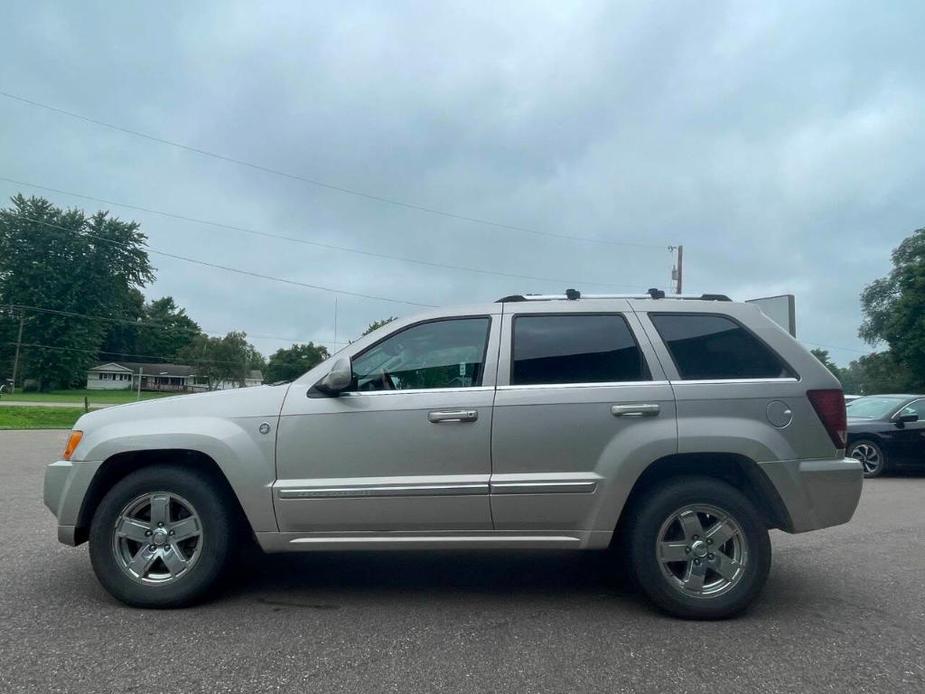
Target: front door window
[{"x": 437, "y": 354}]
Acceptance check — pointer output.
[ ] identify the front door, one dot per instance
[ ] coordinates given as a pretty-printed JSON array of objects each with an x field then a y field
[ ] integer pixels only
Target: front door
[
  {"x": 910, "y": 436},
  {"x": 407, "y": 448}
]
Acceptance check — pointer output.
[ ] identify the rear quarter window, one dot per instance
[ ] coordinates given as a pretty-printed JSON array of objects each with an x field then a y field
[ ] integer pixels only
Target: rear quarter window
[{"x": 714, "y": 347}]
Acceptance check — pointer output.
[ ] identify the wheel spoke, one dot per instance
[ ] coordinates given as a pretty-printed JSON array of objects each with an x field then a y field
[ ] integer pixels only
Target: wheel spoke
[
  {"x": 173, "y": 559},
  {"x": 693, "y": 578},
  {"x": 721, "y": 532},
  {"x": 690, "y": 523},
  {"x": 133, "y": 529},
  {"x": 142, "y": 561},
  {"x": 673, "y": 551},
  {"x": 726, "y": 566},
  {"x": 185, "y": 529},
  {"x": 160, "y": 509}
]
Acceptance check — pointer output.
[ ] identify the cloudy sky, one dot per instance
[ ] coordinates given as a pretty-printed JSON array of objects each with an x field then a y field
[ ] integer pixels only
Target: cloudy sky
[{"x": 781, "y": 143}]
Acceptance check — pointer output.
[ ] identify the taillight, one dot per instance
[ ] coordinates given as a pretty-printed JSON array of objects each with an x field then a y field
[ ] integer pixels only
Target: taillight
[{"x": 830, "y": 406}]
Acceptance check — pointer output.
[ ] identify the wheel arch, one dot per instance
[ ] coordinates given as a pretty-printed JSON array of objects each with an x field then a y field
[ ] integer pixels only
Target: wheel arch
[
  {"x": 118, "y": 466},
  {"x": 735, "y": 469}
]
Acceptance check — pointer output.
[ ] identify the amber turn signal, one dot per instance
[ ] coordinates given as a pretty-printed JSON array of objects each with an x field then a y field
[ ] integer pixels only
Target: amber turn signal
[{"x": 72, "y": 444}]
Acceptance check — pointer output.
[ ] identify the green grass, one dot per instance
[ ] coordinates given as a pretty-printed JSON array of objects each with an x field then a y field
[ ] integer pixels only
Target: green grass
[
  {"x": 38, "y": 417},
  {"x": 102, "y": 397}
]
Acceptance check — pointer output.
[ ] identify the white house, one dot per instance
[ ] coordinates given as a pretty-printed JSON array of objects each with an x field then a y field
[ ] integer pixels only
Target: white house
[{"x": 177, "y": 378}]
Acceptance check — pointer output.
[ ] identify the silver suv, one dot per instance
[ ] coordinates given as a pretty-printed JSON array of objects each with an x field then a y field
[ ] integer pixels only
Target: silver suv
[{"x": 673, "y": 431}]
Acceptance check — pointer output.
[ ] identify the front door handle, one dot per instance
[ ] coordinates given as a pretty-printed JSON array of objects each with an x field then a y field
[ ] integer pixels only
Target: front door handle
[
  {"x": 648, "y": 410},
  {"x": 438, "y": 416}
]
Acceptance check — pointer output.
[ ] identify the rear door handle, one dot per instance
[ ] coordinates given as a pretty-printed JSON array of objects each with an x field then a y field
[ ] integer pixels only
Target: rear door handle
[
  {"x": 438, "y": 416},
  {"x": 648, "y": 410}
]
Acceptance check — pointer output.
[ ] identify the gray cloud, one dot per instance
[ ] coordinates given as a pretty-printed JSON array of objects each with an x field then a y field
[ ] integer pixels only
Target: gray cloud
[{"x": 780, "y": 144}]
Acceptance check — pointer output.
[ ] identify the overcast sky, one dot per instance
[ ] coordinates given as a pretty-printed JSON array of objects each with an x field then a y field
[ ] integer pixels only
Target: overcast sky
[{"x": 781, "y": 143}]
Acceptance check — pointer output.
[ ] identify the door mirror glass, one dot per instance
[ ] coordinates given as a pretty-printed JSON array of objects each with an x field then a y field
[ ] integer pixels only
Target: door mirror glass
[{"x": 338, "y": 379}]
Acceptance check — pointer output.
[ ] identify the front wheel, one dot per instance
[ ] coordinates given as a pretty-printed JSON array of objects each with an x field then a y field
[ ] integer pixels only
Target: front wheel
[
  {"x": 162, "y": 537},
  {"x": 699, "y": 549}
]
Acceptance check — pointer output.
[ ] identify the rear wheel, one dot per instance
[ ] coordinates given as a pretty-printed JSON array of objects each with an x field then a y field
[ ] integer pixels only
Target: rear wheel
[
  {"x": 699, "y": 548},
  {"x": 870, "y": 456},
  {"x": 162, "y": 537}
]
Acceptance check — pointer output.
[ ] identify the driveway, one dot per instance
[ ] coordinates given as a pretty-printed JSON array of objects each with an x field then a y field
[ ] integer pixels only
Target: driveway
[{"x": 844, "y": 610}]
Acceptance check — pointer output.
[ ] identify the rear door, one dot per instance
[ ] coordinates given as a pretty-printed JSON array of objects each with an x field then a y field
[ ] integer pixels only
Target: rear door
[{"x": 579, "y": 393}]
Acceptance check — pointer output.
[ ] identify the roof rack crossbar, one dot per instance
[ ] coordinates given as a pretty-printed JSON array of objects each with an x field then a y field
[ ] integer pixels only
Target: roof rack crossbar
[{"x": 572, "y": 295}]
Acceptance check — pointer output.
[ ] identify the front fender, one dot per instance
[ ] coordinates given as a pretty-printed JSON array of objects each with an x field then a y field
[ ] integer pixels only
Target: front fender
[{"x": 245, "y": 455}]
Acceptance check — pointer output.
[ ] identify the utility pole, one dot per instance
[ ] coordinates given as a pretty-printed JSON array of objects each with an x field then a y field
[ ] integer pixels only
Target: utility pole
[
  {"x": 22, "y": 318},
  {"x": 334, "y": 346},
  {"x": 680, "y": 267},
  {"x": 677, "y": 272}
]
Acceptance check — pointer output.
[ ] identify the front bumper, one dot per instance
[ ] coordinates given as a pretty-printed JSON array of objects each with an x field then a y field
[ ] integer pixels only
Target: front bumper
[
  {"x": 66, "y": 485},
  {"x": 817, "y": 493}
]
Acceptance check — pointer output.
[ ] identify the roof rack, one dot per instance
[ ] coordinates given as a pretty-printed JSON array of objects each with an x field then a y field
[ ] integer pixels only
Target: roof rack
[{"x": 573, "y": 294}]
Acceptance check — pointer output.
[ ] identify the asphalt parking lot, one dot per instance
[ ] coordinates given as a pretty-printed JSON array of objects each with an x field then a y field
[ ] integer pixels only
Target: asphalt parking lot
[{"x": 844, "y": 609}]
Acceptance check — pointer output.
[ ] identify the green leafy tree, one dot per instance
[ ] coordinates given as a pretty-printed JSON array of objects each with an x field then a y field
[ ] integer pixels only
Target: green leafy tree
[
  {"x": 376, "y": 324},
  {"x": 823, "y": 356},
  {"x": 158, "y": 331},
  {"x": 219, "y": 359},
  {"x": 67, "y": 261},
  {"x": 290, "y": 363},
  {"x": 894, "y": 309},
  {"x": 876, "y": 373}
]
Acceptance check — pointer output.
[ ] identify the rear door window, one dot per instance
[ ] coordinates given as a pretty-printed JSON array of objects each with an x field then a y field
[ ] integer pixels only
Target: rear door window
[
  {"x": 713, "y": 347},
  {"x": 575, "y": 348}
]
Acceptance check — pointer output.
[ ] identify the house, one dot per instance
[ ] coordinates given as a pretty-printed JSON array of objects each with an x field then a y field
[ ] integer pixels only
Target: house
[{"x": 176, "y": 378}]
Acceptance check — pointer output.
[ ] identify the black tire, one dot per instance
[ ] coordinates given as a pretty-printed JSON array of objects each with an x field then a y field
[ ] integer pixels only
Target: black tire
[
  {"x": 645, "y": 524},
  {"x": 873, "y": 466},
  {"x": 218, "y": 522}
]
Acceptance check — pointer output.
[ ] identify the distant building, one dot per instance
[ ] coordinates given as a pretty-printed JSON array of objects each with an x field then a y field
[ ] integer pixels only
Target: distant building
[{"x": 176, "y": 378}]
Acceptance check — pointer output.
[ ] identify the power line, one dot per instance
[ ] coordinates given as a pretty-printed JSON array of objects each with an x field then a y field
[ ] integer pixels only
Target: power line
[
  {"x": 118, "y": 354},
  {"x": 227, "y": 268},
  {"x": 307, "y": 242},
  {"x": 322, "y": 184},
  {"x": 149, "y": 324}
]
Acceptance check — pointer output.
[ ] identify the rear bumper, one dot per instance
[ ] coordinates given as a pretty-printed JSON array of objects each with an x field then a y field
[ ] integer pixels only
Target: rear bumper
[
  {"x": 65, "y": 487},
  {"x": 816, "y": 493}
]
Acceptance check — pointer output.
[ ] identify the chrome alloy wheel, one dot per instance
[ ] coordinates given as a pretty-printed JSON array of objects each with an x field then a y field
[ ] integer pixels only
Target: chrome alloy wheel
[
  {"x": 868, "y": 455},
  {"x": 157, "y": 538},
  {"x": 702, "y": 551}
]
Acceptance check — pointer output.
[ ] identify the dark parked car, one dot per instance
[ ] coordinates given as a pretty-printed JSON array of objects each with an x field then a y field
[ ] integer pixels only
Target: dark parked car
[{"x": 886, "y": 432}]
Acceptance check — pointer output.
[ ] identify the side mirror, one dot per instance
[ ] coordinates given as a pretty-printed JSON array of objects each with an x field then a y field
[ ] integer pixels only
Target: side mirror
[
  {"x": 337, "y": 380},
  {"x": 907, "y": 418}
]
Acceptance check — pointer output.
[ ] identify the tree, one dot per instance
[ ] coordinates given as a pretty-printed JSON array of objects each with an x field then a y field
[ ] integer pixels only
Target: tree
[
  {"x": 875, "y": 373},
  {"x": 288, "y": 364},
  {"x": 64, "y": 261},
  {"x": 823, "y": 356},
  {"x": 376, "y": 324},
  {"x": 220, "y": 359},
  {"x": 157, "y": 331},
  {"x": 894, "y": 309}
]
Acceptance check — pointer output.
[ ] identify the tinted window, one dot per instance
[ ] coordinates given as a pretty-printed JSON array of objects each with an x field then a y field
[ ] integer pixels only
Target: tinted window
[
  {"x": 715, "y": 347},
  {"x": 440, "y": 354},
  {"x": 575, "y": 349}
]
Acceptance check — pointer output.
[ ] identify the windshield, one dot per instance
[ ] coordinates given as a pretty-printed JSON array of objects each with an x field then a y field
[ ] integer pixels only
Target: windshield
[{"x": 873, "y": 407}]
